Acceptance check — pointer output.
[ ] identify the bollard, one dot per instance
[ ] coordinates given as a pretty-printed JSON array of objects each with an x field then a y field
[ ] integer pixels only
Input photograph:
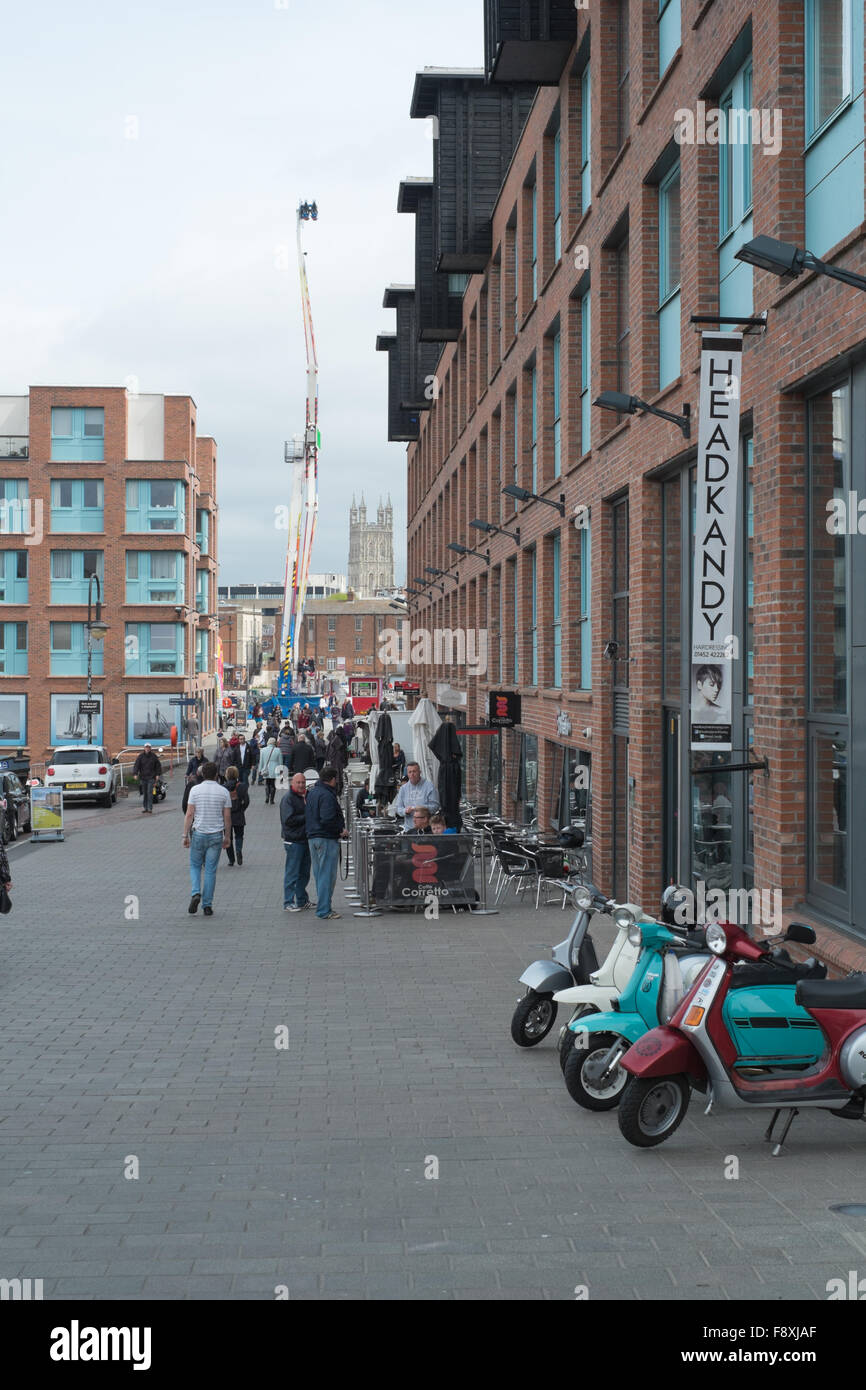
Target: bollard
[{"x": 482, "y": 910}]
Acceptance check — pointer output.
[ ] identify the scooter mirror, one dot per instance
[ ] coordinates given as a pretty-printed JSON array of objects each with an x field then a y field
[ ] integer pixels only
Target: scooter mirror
[{"x": 797, "y": 931}]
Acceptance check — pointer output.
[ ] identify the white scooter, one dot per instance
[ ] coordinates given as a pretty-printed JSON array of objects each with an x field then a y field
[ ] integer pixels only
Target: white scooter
[{"x": 601, "y": 994}]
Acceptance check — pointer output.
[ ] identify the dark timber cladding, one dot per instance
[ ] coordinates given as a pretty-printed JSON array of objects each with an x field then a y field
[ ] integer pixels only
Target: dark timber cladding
[
  {"x": 439, "y": 316},
  {"x": 416, "y": 361},
  {"x": 528, "y": 40},
  {"x": 403, "y": 425},
  {"x": 475, "y": 134}
]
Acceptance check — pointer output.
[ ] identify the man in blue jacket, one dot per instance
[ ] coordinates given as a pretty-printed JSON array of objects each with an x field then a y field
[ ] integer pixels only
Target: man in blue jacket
[{"x": 325, "y": 828}]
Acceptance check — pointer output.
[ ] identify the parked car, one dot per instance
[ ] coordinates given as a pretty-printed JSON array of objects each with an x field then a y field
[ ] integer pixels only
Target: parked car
[
  {"x": 85, "y": 773},
  {"x": 16, "y": 817}
]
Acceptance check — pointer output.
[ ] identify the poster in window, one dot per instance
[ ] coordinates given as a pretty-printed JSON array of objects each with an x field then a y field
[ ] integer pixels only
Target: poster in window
[
  {"x": 13, "y": 723},
  {"x": 69, "y": 725}
]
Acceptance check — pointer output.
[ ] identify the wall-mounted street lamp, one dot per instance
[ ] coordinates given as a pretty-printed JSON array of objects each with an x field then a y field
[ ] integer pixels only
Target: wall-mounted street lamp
[
  {"x": 431, "y": 583},
  {"x": 464, "y": 550},
  {"x": 522, "y": 494},
  {"x": 787, "y": 261},
  {"x": 633, "y": 405},
  {"x": 489, "y": 527}
]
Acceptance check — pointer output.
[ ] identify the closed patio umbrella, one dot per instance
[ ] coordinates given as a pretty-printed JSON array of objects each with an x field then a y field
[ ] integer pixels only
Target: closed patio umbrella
[
  {"x": 446, "y": 746},
  {"x": 424, "y": 721},
  {"x": 385, "y": 784}
]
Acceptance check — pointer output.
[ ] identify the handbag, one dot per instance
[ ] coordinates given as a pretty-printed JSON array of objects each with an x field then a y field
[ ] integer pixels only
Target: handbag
[{"x": 5, "y": 900}]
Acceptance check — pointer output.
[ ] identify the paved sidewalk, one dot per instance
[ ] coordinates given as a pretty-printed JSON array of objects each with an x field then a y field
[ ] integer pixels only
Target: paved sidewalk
[{"x": 133, "y": 1036}]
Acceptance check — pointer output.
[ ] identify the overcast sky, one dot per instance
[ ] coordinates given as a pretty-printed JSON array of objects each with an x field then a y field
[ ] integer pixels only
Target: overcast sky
[{"x": 169, "y": 256}]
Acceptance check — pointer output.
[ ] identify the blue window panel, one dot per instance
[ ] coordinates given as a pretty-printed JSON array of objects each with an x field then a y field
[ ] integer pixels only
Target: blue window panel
[
  {"x": 557, "y": 195},
  {"x": 69, "y": 650},
  {"x": 201, "y": 591},
  {"x": 70, "y": 577},
  {"x": 77, "y": 505},
  {"x": 834, "y": 124},
  {"x": 533, "y": 609},
  {"x": 557, "y": 407},
  {"x": 585, "y": 609},
  {"x": 77, "y": 434},
  {"x": 14, "y": 506},
  {"x": 585, "y": 375},
  {"x": 202, "y": 530},
  {"x": 585, "y": 140},
  {"x": 13, "y": 653},
  {"x": 157, "y": 504},
  {"x": 534, "y": 390},
  {"x": 515, "y": 675},
  {"x": 155, "y": 576},
  {"x": 556, "y": 560},
  {"x": 14, "y": 569},
  {"x": 736, "y": 279},
  {"x": 535, "y": 241},
  {"x": 200, "y": 652},
  {"x": 669, "y": 32},
  {"x": 669, "y": 341},
  {"x": 516, "y": 425},
  {"x": 154, "y": 649}
]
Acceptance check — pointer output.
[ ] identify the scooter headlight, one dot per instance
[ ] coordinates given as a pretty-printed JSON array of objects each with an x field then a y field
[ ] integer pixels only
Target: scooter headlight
[
  {"x": 623, "y": 918},
  {"x": 581, "y": 897},
  {"x": 635, "y": 936},
  {"x": 716, "y": 938}
]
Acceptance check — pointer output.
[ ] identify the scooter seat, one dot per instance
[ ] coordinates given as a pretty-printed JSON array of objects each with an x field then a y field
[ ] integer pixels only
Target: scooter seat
[
  {"x": 779, "y": 970},
  {"x": 849, "y": 993}
]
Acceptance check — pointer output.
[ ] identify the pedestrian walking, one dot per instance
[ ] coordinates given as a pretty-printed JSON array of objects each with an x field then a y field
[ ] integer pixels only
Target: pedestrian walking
[
  {"x": 228, "y": 756},
  {"x": 325, "y": 828},
  {"x": 270, "y": 767},
  {"x": 247, "y": 759},
  {"x": 302, "y": 756},
  {"x": 207, "y": 829},
  {"x": 293, "y": 824},
  {"x": 197, "y": 761},
  {"x": 320, "y": 750},
  {"x": 240, "y": 798},
  {"x": 147, "y": 768},
  {"x": 286, "y": 743},
  {"x": 192, "y": 733}
]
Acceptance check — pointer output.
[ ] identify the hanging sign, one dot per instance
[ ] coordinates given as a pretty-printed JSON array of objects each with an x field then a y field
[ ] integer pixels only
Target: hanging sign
[{"x": 717, "y": 503}]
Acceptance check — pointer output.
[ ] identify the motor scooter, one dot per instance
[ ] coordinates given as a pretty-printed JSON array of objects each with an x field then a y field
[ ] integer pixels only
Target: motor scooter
[
  {"x": 669, "y": 960},
  {"x": 572, "y": 962},
  {"x": 606, "y": 984},
  {"x": 798, "y": 1043}
]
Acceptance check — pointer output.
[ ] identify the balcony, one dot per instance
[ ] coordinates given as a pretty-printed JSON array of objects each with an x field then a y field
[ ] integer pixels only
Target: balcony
[
  {"x": 14, "y": 446},
  {"x": 528, "y": 40}
]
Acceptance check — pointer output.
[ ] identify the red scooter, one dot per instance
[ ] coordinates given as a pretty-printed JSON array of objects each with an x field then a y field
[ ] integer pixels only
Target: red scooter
[{"x": 744, "y": 1043}]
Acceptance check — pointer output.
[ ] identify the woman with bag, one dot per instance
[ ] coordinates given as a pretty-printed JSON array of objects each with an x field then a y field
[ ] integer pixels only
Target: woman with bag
[{"x": 269, "y": 768}]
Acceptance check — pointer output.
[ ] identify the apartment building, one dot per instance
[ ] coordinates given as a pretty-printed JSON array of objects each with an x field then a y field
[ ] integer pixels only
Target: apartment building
[
  {"x": 350, "y": 636},
  {"x": 618, "y": 217},
  {"x": 107, "y": 497}
]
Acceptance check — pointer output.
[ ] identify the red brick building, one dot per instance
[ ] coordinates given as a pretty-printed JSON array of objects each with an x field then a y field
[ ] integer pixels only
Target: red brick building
[
  {"x": 345, "y": 636},
  {"x": 617, "y": 219},
  {"x": 100, "y": 482}
]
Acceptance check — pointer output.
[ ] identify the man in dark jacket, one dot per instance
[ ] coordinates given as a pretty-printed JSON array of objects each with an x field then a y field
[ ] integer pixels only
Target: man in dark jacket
[
  {"x": 302, "y": 756},
  {"x": 325, "y": 828},
  {"x": 248, "y": 760},
  {"x": 293, "y": 820},
  {"x": 196, "y": 761},
  {"x": 286, "y": 743},
  {"x": 147, "y": 768},
  {"x": 240, "y": 801}
]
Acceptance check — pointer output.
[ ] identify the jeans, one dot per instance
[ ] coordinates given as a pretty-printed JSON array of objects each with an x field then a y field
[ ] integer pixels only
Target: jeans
[
  {"x": 237, "y": 839},
  {"x": 297, "y": 873},
  {"x": 147, "y": 790},
  {"x": 204, "y": 852},
  {"x": 325, "y": 856}
]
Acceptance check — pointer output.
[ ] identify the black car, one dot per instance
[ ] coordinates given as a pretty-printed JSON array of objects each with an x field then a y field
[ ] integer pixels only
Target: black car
[{"x": 16, "y": 818}]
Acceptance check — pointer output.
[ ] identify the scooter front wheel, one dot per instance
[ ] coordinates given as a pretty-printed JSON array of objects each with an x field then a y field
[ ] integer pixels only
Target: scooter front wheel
[
  {"x": 583, "y": 1074},
  {"x": 653, "y": 1108},
  {"x": 533, "y": 1018}
]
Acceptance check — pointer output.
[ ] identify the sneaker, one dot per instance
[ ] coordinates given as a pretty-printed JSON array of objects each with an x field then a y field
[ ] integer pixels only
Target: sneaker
[
  {"x": 292, "y": 908},
  {"x": 305, "y": 907},
  {"x": 331, "y": 917},
  {"x": 240, "y": 857},
  {"x": 208, "y": 912},
  {"x": 194, "y": 902}
]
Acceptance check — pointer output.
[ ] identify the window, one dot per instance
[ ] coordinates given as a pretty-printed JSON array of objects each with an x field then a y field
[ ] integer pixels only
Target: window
[
  {"x": 622, "y": 73},
  {"x": 132, "y": 494},
  {"x": 77, "y": 504},
  {"x": 585, "y": 140},
  {"x": 332, "y": 624},
  {"x": 162, "y": 493},
  {"x": 61, "y": 564},
  {"x": 585, "y": 376},
  {"x": 516, "y": 429},
  {"x": 132, "y": 564},
  {"x": 533, "y": 393},
  {"x": 516, "y": 598},
  {"x": 162, "y": 637},
  {"x": 557, "y": 408},
  {"x": 534, "y": 240},
  {"x": 828, "y": 60},
  {"x": 533, "y": 615},
  {"x": 163, "y": 564},
  {"x": 359, "y": 644},
  {"x": 311, "y": 629},
  {"x": 669, "y": 21},
  {"x": 736, "y": 133},
  {"x": 584, "y": 619},
  {"x": 359, "y": 624},
  {"x": 557, "y": 195},
  {"x": 155, "y": 504},
  {"x": 61, "y": 637},
  {"x": 77, "y": 433},
  {"x": 64, "y": 494},
  {"x": 556, "y": 610},
  {"x": 332, "y": 644},
  {"x": 20, "y": 564},
  {"x": 14, "y": 506},
  {"x": 622, "y": 319},
  {"x": 71, "y": 571},
  {"x": 92, "y": 563},
  {"x": 669, "y": 277},
  {"x": 20, "y": 637}
]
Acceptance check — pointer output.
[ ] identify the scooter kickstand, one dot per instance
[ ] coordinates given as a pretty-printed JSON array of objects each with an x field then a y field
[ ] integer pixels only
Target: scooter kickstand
[
  {"x": 768, "y": 1137},
  {"x": 792, "y": 1115}
]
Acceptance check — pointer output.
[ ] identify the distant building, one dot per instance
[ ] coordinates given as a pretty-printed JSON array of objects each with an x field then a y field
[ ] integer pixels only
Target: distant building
[
  {"x": 371, "y": 549},
  {"x": 345, "y": 636}
]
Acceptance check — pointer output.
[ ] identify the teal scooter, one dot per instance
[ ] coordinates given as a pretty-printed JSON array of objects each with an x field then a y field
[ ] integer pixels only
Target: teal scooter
[
  {"x": 662, "y": 976},
  {"x": 670, "y": 960}
]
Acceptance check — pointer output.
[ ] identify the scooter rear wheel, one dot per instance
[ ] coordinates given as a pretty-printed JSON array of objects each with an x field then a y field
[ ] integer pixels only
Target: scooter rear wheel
[
  {"x": 566, "y": 1041},
  {"x": 652, "y": 1108},
  {"x": 583, "y": 1065},
  {"x": 533, "y": 1019}
]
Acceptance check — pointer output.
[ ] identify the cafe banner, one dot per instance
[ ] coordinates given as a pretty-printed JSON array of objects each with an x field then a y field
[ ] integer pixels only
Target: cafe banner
[
  {"x": 410, "y": 870},
  {"x": 714, "y": 646}
]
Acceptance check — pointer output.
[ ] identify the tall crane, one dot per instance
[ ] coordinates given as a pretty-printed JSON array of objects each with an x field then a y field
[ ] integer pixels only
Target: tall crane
[{"x": 302, "y": 452}]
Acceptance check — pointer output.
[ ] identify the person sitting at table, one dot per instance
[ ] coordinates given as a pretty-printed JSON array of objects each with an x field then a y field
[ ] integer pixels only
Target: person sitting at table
[
  {"x": 438, "y": 825},
  {"x": 416, "y": 792},
  {"x": 420, "y": 822}
]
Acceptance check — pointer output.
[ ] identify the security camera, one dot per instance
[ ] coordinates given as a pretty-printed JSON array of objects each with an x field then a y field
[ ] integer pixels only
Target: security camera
[
  {"x": 587, "y": 733},
  {"x": 611, "y": 651}
]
